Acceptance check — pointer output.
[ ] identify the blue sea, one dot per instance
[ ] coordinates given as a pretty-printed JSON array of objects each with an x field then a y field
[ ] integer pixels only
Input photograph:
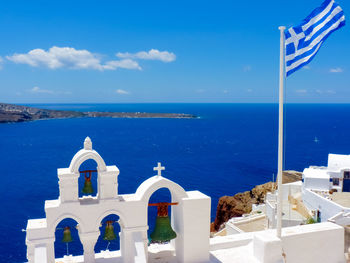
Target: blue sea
[{"x": 230, "y": 148}]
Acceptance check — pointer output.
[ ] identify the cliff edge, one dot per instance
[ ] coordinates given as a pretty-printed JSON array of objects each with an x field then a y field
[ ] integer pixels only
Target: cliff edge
[{"x": 241, "y": 203}]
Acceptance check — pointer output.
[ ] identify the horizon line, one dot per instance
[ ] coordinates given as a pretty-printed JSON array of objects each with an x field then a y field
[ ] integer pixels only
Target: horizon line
[{"x": 87, "y": 103}]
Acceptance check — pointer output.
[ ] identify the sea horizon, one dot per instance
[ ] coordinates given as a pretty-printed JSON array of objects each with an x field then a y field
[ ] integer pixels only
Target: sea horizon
[{"x": 84, "y": 103}]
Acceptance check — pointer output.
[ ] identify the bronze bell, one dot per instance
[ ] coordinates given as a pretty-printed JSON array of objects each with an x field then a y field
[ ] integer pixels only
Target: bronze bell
[
  {"x": 163, "y": 231},
  {"x": 109, "y": 231},
  {"x": 67, "y": 235},
  {"x": 88, "y": 189}
]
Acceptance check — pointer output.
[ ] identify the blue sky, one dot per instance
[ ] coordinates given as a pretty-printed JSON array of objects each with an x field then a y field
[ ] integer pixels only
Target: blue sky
[{"x": 162, "y": 51}]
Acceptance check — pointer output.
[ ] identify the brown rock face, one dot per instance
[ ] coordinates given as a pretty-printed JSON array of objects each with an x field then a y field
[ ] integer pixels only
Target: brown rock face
[
  {"x": 241, "y": 203},
  {"x": 291, "y": 176}
]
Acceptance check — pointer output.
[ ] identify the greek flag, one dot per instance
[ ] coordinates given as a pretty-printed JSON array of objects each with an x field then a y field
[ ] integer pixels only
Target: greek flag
[{"x": 303, "y": 41}]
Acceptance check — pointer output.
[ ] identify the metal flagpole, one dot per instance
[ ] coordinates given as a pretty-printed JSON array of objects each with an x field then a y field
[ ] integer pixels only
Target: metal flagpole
[{"x": 280, "y": 133}]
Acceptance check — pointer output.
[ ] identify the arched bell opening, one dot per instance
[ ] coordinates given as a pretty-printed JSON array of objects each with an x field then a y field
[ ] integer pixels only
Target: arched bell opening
[
  {"x": 109, "y": 234},
  {"x": 88, "y": 184},
  {"x": 160, "y": 227},
  {"x": 67, "y": 241}
]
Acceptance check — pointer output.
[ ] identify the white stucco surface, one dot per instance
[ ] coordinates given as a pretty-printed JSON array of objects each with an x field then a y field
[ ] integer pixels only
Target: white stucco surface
[
  {"x": 336, "y": 162},
  {"x": 321, "y": 178},
  {"x": 190, "y": 218},
  {"x": 322, "y": 191},
  {"x": 315, "y": 243}
]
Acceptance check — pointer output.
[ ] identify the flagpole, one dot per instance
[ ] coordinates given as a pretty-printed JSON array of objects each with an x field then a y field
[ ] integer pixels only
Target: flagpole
[{"x": 280, "y": 133}]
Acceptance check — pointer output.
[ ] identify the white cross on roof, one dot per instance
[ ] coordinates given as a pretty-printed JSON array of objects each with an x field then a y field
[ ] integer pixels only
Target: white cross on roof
[{"x": 159, "y": 168}]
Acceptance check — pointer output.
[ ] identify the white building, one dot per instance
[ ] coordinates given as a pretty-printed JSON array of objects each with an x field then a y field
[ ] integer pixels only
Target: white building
[
  {"x": 336, "y": 176},
  {"x": 326, "y": 190},
  {"x": 190, "y": 218},
  {"x": 323, "y": 193}
]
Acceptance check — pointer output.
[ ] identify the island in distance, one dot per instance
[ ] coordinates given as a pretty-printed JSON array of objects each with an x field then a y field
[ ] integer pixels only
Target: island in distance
[{"x": 18, "y": 113}]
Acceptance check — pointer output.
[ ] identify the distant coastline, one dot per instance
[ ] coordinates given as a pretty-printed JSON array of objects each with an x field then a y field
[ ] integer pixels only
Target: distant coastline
[{"x": 18, "y": 113}]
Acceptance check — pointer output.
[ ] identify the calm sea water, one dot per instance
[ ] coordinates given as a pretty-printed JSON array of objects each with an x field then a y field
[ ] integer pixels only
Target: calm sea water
[{"x": 230, "y": 148}]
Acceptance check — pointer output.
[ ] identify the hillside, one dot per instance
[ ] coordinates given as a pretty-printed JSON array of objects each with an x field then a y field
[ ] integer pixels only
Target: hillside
[{"x": 19, "y": 113}]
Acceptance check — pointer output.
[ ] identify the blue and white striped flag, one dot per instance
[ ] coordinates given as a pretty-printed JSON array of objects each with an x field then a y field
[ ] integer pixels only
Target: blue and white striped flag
[{"x": 303, "y": 41}]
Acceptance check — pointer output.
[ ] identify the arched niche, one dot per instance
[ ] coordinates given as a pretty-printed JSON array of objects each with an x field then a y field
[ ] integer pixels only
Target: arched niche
[
  {"x": 84, "y": 155},
  {"x": 160, "y": 195},
  {"x": 88, "y": 168},
  {"x": 148, "y": 187},
  {"x": 151, "y": 185},
  {"x": 62, "y": 249},
  {"x": 52, "y": 227},
  {"x": 102, "y": 244},
  {"x": 107, "y": 177},
  {"x": 110, "y": 212}
]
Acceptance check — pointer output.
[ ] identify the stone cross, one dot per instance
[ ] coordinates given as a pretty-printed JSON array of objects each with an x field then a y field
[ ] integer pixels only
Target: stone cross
[{"x": 159, "y": 168}]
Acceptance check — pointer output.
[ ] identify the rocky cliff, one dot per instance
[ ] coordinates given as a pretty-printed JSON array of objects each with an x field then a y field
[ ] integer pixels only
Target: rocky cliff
[{"x": 241, "y": 203}]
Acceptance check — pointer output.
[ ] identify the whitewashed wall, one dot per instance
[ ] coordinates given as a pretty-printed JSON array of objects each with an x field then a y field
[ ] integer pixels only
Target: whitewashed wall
[
  {"x": 315, "y": 243},
  {"x": 327, "y": 207}
]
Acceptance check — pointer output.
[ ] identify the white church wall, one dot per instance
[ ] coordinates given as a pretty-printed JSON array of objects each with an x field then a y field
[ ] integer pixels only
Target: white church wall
[
  {"x": 315, "y": 243},
  {"x": 40, "y": 254},
  {"x": 108, "y": 183},
  {"x": 267, "y": 247},
  {"x": 196, "y": 228},
  {"x": 68, "y": 185},
  {"x": 190, "y": 218},
  {"x": 231, "y": 241}
]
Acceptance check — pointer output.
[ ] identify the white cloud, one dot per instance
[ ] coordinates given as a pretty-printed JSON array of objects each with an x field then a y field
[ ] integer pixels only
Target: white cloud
[
  {"x": 153, "y": 54},
  {"x": 122, "y": 92},
  {"x": 58, "y": 57},
  {"x": 1, "y": 62},
  {"x": 124, "y": 63},
  {"x": 39, "y": 90},
  {"x": 336, "y": 70},
  {"x": 68, "y": 57},
  {"x": 249, "y": 90},
  {"x": 301, "y": 91},
  {"x": 225, "y": 91},
  {"x": 306, "y": 67}
]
